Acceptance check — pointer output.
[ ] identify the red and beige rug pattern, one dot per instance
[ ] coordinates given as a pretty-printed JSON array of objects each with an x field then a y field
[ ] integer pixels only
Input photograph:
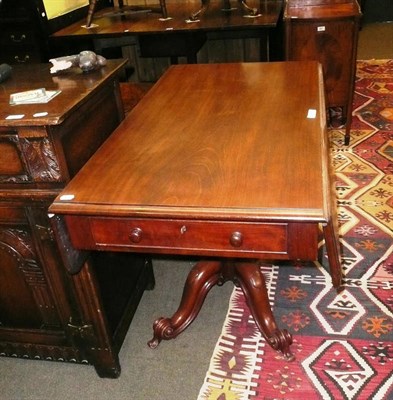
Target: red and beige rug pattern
[{"x": 343, "y": 343}]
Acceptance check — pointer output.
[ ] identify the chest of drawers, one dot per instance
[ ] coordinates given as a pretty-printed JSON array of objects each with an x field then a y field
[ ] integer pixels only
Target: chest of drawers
[{"x": 21, "y": 40}]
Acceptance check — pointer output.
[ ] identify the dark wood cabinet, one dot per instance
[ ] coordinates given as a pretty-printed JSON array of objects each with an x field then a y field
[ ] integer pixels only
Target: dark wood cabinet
[
  {"x": 25, "y": 31},
  {"x": 21, "y": 39},
  {"x": 327, "y": 31},
  {"x": 45, "y": 312}
]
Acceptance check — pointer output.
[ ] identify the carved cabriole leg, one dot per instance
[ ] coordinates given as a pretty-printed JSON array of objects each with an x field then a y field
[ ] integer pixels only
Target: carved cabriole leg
[
  {"x": 200, "y": 280},
  {"x": 252, "y": 282}
]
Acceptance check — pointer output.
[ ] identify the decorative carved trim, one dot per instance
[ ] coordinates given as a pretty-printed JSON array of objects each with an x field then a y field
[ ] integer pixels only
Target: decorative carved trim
[
  {"x": 14, "y": 179},
  {"x": 73, "y": 259},
  {"x": 41, "y": 352},
  {"x": 41, "y": 159}
]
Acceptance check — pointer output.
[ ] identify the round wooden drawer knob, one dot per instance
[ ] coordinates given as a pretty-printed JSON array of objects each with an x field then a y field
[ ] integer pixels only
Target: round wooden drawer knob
[
  {"x": 236, "y": 239},
  {"x": 136, "y": 235}
]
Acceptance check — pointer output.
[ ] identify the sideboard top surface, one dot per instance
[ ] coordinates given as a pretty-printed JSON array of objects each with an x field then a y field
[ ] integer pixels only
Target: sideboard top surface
[{"x": 74, "y": 85}]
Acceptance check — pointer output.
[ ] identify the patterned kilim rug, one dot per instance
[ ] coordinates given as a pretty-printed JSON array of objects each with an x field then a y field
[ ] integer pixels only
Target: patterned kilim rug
[{"x": 343, "y": 343}]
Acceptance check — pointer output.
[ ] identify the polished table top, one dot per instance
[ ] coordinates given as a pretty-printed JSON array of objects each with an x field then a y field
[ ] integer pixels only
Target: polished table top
[
  {"x": 224, "y": 141},
  {"x": 104, "y": 24}
]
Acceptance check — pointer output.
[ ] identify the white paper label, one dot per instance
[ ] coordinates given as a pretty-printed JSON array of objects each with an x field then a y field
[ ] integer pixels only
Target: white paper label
[
  {"x": 15, "y": 116},
  {"x": 311, "y": 113},
  {"x": 66, "y": 197}
]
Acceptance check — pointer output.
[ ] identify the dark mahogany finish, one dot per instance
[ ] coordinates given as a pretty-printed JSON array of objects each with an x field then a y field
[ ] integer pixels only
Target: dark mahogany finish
[
  {"x": 44, "y": 312},
  {"x": 327, "y": 31},
  {"x": 224, "y": 161}
]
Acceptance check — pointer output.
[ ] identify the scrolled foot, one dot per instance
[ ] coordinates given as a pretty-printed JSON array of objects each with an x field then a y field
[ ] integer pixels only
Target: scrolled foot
[
  {"x": 153, "y": 343},
  {"x": 163, "y": 329},
  {"x": 281, "y": 341}
]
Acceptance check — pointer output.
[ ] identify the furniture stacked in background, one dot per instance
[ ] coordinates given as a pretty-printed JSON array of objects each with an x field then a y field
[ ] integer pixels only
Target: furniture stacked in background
[
  {"x": 327, "y": 31},
  {"x": 44, "y": 312},
  {"x": 24, "y": 37},
  {"x": 323, "y": 30},
  {"x": 151, "y": 43}
]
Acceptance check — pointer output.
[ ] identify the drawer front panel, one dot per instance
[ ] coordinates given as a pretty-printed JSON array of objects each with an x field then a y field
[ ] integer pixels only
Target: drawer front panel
[
  {"x": 21, "y": 56},
  {"x": 18, "y": 37},
  {"x": 184, "y": 236}
]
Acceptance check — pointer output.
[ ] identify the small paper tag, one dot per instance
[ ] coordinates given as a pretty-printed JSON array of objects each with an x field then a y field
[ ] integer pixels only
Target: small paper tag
[
  {"x": 40, "y": 114},
  {"x": 37, "y": 96},
  {"x": 27, "y": 96},
  {"x": 66, "y": 197},
  {"x": 312, "y": 113},
  {"x": 15, "y": 116}
]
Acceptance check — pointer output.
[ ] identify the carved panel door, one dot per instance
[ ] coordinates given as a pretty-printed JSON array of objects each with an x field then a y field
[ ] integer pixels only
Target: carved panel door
[
  {"x": 25, "y": 301},
  {"x": 33, "y": 298}
]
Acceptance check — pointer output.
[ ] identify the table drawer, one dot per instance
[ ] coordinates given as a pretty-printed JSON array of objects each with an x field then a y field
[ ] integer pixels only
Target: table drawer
[
  {"x": 18, "y": 37},
  {"x": 185, "y": 234},
  {"x": 269, "y": 240},
  {"x": 195, "y": 237}
]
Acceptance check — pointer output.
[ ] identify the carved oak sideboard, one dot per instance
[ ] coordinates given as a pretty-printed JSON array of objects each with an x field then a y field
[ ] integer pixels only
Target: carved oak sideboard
[{"x": 45, "y": 312}]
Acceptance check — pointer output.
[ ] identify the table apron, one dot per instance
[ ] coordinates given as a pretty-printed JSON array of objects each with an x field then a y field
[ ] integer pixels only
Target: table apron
[{"x": 267, "y": 240}]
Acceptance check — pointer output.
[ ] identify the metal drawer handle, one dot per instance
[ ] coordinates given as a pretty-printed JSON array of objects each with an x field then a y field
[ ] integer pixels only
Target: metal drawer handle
[
  {"x": 236, "y": 239},
  {"x": 136, "y": 235},
  {"x": 21, "y": 61},
  {"x": 21, "y": 38}
]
